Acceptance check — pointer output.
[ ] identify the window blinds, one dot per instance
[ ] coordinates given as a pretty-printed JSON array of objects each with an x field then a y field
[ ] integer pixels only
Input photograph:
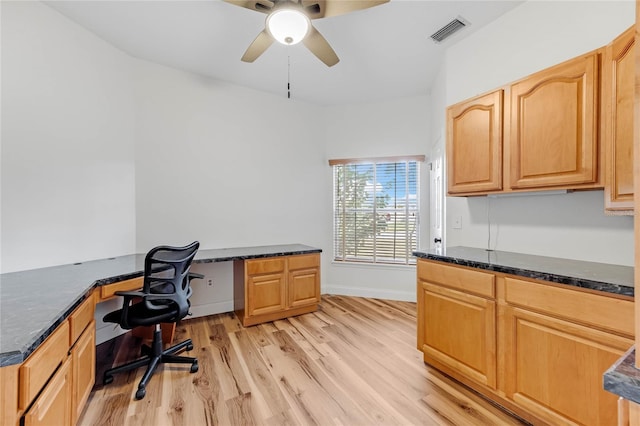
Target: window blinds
[{"x": 376, "y": 210}]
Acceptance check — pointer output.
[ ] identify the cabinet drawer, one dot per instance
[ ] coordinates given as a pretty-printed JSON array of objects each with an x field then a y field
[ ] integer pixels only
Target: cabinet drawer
[
  {"x": 265, "y": 266},
  {"x": 468, "y": 280},
  {"x": 37, "y": 369},
  {"x": 53, "y": 406},
  {"x": 109, "y": 290},
  {"x": 600, "y": 311},
  {"x": 80, "y": 318},
  {"x": 304, "y": 261}
]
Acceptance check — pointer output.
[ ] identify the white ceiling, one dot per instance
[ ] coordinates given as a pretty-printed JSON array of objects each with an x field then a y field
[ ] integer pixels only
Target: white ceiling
[{"x": 385, "y": 51}]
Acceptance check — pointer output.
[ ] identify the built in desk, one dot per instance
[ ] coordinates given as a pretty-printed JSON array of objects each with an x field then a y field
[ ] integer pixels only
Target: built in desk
[{"x": 48, "y": 313}]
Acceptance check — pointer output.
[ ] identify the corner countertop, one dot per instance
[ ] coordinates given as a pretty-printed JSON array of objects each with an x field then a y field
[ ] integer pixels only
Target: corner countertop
[
  {"x": 615, "y": 279},
  {"x": 34, "y": 302},
  {"x": 623, "y": 378}
]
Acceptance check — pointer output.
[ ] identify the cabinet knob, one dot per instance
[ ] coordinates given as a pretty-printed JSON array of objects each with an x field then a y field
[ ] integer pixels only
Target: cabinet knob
[{"x": 437, "y": 240}]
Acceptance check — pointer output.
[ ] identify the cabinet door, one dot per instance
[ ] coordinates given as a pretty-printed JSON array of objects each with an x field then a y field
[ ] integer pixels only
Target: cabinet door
[
  {"x": 53, "y": 406},
  {"x": 554, "y": 366},
  {"x": 618, "y": 96},
  {"x": 304, "y": 287},
  {"x": 474, "y": 144},
  {"x": 459, "y": 331},
  {"x": 554, "y": 126},
  {"x": 83, "y": 356},
  {"x": 303, "y": 283},
  {"x": 266, "y": 294}
]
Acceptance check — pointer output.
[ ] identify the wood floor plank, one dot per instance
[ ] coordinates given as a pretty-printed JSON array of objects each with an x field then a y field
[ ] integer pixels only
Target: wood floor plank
[
  {"x": 267, "y": 394},
  {"x": 307, "y": 387},
  {"x": 353, "y": 362},
  {"x": 384, "y": 383}
]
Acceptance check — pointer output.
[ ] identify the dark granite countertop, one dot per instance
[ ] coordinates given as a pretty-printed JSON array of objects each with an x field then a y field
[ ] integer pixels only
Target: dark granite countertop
[
  {"x": 604, "y": 277},
  {"x": 623, "y": 378},
  {"x": 34, "y": 302}
]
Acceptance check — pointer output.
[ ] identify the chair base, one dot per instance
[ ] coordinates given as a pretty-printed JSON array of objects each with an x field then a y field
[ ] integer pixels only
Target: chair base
[{"x": 154, "y": 355}]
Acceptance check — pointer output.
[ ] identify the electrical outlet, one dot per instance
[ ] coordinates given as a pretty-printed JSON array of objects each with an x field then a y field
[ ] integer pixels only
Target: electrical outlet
[
  {"x": 210, "y": 281},
  {"x": 457, "y": 222}
]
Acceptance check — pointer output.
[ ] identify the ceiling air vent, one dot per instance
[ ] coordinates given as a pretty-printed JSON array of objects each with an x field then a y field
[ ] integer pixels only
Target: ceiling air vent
[{"x": 449, "y": 29}]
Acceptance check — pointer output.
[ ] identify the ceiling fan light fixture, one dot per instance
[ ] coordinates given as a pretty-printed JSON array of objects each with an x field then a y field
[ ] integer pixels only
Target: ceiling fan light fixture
[{"x": 288, "y": 26}]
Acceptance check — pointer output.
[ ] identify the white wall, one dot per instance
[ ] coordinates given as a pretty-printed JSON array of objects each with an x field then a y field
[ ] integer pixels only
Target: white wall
[
  {"x": 225, "y": 165},
  {"x": 67, "y": 142},
  {"x": 391, "y": 128},
  {"x": 231, "y": 166},
  {"x": 527, "y": 39}
]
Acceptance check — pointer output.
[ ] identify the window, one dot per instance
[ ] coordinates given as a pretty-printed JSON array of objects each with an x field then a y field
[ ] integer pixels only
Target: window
[{"x": 376, "y": 209}]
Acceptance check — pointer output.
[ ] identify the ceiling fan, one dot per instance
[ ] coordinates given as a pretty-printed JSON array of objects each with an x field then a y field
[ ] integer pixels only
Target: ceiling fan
[{"x": 289, "y": 22}]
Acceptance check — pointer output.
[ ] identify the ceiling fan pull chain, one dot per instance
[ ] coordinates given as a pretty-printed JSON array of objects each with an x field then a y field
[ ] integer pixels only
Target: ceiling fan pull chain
[{"x": 288, "y": 77}]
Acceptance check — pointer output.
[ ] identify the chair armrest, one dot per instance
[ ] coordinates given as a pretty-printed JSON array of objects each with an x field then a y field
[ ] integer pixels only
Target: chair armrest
[
  {"x": 130, "y": 294},
  {"x": 126, "y": 303},
  {"x": 193, "y": 275}
]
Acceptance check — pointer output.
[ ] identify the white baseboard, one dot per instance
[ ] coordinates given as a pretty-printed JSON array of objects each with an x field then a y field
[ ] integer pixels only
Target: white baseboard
[
  {"x": 108, "y": 332},
  {"x": 210, "y": 309},
  {"x": 405, "y": 296}
]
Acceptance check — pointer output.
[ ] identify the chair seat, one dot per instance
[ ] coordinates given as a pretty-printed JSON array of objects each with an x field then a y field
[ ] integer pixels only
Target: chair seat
[{"x": 140, "y": 315}]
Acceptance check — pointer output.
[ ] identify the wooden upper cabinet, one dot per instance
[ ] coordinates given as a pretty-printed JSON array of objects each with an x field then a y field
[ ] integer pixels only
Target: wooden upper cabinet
[
  {"x": 554, "y": 126},
  {"x": 617, "y": 123},
  {"x": 474, "y": 144}
]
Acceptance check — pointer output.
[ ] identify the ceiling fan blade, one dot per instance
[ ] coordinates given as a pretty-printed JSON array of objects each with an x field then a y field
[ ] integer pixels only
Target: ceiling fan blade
[
  {"x": 257, "y": 47},
  {"x": 319, "y": 46},
  {"x": 263, "y": 6},
  {"x": 326, "y": 8}
]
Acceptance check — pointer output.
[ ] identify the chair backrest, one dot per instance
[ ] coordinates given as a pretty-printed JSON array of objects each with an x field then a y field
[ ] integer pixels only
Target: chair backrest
[{"x": 166, "y": 271}]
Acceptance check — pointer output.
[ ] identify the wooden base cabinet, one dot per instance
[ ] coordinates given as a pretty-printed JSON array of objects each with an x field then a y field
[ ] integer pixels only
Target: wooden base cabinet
[
  {"x": 53, "y": 406},
  {"x": 554, "y": 368},
  {"x": 266, "y": 286},
  {"x": 268, "y": 289},
  {"x": 628, "y": 413},
  {"x": 538, "y": 348},
  {"x": 469, "y": 349},
  {"x": 83, "y": 357},
  {"x": 53, "y": 384}
]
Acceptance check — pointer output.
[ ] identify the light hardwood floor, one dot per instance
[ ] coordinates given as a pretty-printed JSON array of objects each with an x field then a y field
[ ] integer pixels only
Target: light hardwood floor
[{"x": 353, "y": 362}]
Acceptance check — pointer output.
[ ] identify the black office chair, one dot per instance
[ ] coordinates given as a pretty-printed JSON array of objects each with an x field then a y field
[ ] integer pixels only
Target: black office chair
[{"x": 164, "y": 298}]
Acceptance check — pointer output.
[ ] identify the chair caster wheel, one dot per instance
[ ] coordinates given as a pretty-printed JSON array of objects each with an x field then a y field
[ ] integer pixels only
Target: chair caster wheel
[
  {"x": 190, "y": 347},
  {"x": 194, "y": 367},
  {"x": 107, "y": 379},
  {"x": 140, "y": 393}
]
